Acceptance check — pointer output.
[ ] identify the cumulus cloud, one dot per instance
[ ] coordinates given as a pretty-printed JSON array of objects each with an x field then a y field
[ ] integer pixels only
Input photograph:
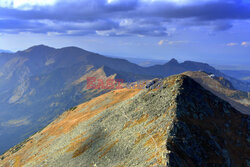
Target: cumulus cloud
[{"x": 118, "y": 17}]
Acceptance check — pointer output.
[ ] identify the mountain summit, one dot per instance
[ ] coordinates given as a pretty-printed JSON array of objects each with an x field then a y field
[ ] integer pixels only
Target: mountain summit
[
  {"x": 172, "y": 122},
  {"x": 173, "y": 61}
]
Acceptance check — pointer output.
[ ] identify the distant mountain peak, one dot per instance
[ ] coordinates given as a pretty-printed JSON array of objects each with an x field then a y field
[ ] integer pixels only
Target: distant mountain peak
[
  {"x": 72, "y": 47},
  {"x": 173, "y": 61},
  {"x": 39, "y": 48}
]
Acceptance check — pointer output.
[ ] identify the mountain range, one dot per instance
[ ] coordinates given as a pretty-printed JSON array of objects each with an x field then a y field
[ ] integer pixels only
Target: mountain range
[
  {"x": 170, "y": 122},
  {"x": 238, "y": 74},
  {"x": 146, "y": 62},
  {"x": 40, "y": 83},
  {"x": 5, "y": 51}
]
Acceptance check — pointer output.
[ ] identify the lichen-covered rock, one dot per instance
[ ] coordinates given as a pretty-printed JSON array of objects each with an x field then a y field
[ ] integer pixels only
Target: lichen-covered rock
[{"x": 173, "y": 122}]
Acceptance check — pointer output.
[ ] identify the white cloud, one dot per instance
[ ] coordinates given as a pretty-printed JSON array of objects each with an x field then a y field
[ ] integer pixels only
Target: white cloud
[
  {"x": 176, "y": 42},
  {"x": 232, "y": 44},
  {"x": 25, "y": 4},
  {"x": 160, "y": 42},
  {"x": 112, "y": 1},
  {"x": 112, "y": 32},
  {"x": 16, "y": 123},
  {"x": 53, "y": 33},
  {"x": 245, "y": 43},
  {"x": 126, "y": 22}
]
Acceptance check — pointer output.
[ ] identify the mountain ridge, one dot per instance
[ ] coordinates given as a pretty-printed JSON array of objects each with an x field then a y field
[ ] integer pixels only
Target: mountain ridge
[
  {"x": 155, "y": 70},
  {"x": 178, "y": 124}
]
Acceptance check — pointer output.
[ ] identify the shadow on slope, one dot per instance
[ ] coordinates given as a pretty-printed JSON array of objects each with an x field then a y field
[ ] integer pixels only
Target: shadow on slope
[{"x": 207, "y": 131}]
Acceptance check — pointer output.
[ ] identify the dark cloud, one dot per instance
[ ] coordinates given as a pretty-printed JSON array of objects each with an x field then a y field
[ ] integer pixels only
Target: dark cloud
[
  {"x": 18, "y": 24},
  {"x": 91, "y": 16},
  {"x": 217, "y": 11},
  {"x": 222, "y": 26}
]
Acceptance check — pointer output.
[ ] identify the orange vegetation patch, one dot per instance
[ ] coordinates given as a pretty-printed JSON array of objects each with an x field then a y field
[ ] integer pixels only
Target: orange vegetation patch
[
  {"x": 72, "y": 118},
  {"x": 79, "y": 136},
  {"x": 153, "y": 120},
  {"x": 158, "y": 158},
  {"x": 81, "y": 150},
  {"x": 150, "y": 158},
  {"x": 41, "y": 158},
  {"x": 139, "y": 137},
  {"x": 18, "y": 157},
  {"x": 76, "y": 144},
  {"x": 131, "y": 124},
  {"x": 144, "y": 118},
  {"x": 17, "y": 161},
  {"x": 158, "y": 139},
  {"x": 127, "y": 124},
  {"x": 7, "y": 164},
  {"x": 152, "y": 129},
  {"x": 109, "y": 148},
  {"x": 84, "y": 147}
]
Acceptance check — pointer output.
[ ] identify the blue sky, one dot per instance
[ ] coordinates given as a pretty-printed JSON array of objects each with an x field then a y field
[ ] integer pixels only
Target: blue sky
[{"x": 213, "y": 31}]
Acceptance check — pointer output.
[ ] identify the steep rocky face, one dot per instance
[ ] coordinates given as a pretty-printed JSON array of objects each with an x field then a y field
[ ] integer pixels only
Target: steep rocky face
[
  {"x": 172, "y": 122},
  {"x": 207, "y": 131},
  {"x": 223, "y": 89}
]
